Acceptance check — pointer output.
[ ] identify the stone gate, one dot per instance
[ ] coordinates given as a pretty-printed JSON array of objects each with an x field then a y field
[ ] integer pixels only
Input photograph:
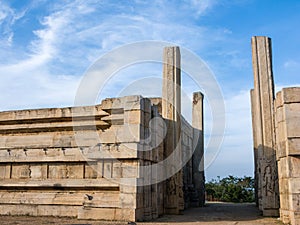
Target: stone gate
[{"x": 276, "y": 135}]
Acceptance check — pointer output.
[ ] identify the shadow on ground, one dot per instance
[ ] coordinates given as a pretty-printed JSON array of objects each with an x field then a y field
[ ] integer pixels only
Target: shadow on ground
[
  {"x": 212, "y": 213},
  {"x": 217, "y": 212}
]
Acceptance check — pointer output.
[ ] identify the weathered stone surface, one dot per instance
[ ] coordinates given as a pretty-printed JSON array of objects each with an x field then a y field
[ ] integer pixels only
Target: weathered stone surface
[
  {"x": 39, "y": 210},
  {"x": 293, "y": 146},
  {"x": 264, "y": 125},
  {"x": 5, "y": 171},
  {"x": 291, "y": 95},
  {"x": 198, "y": 147},
  {"x": 60, "y": 183},
  {"x": 98, "y": 162},
  {"x": 171, "y": 111},
  {"x": 256, "y": 130},
  {"x": 288, "y": 153},
  {"x": 107, "y": 214}
]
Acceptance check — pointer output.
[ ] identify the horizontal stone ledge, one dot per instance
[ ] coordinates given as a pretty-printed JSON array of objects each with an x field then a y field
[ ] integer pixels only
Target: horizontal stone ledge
[
  {"x": 55, "y": 126},
  {"x": 52, "y": 113},
  {"x": 39, "y": 210},
  {"x": 53, "y": 120},
  {"x": 65, "y": 139},
  {"x": 82, "y": 154},
  {"x": 59, "y": 183},
  {"x": 89, "y": 158},
  {"x": 114, "y": 119},
  {"x": 103, "y": 199},
  {"x": 45, "y": 160},
  {"x": 127, "y": 103},
  {"x": 108, "y": 214},
  {"x": 55, "y": 129}
]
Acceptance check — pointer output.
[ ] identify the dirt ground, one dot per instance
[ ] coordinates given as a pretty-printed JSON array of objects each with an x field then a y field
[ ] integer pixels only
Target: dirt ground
[{"x": 212, "y": 213}]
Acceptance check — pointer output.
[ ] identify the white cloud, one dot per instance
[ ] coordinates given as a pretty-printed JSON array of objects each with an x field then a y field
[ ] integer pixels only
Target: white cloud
[
  {"x": 32, "y": 87},
  {"x": 291, "y": 64},
  {"x": 236, "y": 154},
  {"x": 8, "y": 17},
  {"x": 75, "y": 33},
  {"x": 202, "y": 6},
  {"x": 29, "y": 83}
]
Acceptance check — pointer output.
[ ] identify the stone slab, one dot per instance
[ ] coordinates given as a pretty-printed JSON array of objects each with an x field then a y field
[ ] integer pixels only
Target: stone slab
[
  {"x": 51, "y": 114},
  {"x": 107, "y": 214},
  {"x": 103, "y": 199},
  {"x": 291, "y": 95},
  {"x": 39, "y": 210},
  {"x": 59, "y": 183},
  {"x": 293, "y": 146}
]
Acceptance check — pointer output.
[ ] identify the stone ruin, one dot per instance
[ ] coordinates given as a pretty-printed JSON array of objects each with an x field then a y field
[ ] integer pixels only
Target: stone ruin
[
  {"x": 276, "y": 135},
  {"x": 119, "y": 160},
  {"x": 106, "y": 161}
]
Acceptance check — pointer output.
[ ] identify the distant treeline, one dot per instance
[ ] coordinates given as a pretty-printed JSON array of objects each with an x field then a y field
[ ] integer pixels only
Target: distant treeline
[{"x": 230, "y": 189}]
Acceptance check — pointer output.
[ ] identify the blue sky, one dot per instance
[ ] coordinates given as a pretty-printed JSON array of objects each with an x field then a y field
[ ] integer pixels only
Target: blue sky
[{"x": 46, "y": 47}]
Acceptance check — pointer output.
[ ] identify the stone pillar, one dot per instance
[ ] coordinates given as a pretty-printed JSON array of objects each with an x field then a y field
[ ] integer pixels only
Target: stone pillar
[
  {"x": 265, "y": 125},
  {"x": 198, "y": 147},
  {"x": 255, "y": 148},
  {"x": 171, "y": 112}
]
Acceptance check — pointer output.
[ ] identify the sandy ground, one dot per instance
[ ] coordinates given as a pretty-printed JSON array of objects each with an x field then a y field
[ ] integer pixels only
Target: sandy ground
[{"x": 212, "y": 213}]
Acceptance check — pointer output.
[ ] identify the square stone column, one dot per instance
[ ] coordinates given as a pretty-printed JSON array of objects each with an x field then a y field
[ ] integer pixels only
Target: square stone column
[
  {"x": 198, "y": 147},
  {"x": 264, "y": 125},
  {"x": 255, "y": 149},
  {"x": 171, "y": 112}
]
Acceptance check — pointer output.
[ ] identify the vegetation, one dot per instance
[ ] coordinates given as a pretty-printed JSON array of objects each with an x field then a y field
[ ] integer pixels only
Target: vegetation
[{"x": 231, "y": 189}]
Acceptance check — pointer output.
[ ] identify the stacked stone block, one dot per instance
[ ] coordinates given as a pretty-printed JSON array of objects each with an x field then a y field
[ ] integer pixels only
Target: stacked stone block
[
  {"x": 59, "y": 171},
  {"x": 288, "y": 153},
  {"x": 276, "y": 125},
  {"x": 103, "y": 162}
]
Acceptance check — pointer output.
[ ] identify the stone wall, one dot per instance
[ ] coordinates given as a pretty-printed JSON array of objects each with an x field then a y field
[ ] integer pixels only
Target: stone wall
[
  {"x": 88, "y": 162},
  {"x": 114, "y": 161},
  {"x": 288, "y": 153},
  {"x": 72, "y": 161},
  {"x": 276, "y": 139}
]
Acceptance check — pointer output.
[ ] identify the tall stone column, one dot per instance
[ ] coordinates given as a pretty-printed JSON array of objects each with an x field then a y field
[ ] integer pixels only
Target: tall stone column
[
  {"x": 264, "y": 125},
  {"x": 171, "y": 112},
  {"x": 255, "y": 124},
  {"x": 198, "y": 147}
]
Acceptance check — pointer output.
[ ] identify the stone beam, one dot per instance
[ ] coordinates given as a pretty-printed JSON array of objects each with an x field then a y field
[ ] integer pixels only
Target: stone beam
[{"x": 265, "y": 124}]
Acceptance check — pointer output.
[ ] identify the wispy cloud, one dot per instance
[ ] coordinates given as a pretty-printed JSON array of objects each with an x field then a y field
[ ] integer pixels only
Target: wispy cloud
[
  {"x": 76, "y": 33},
  {"x": 291, "y": 64},
  {"x": 202, "y": 6},
  {"x": 71, "y": 35},
  {"x": 236, "y": 156},
  {"x": 8, "y": 17}
]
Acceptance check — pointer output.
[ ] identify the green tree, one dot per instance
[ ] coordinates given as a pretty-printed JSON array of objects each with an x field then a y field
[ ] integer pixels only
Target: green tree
[{"x": 231, "y": 189}]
